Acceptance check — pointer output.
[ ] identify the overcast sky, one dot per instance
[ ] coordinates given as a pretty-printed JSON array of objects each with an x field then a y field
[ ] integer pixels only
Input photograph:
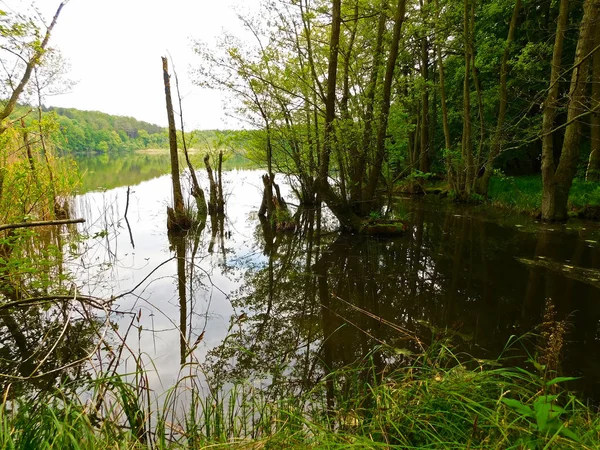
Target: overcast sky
[{"x": 114, "y": 49}]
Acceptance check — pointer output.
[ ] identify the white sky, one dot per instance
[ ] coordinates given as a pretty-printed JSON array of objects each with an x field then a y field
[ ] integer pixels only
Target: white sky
[{"x": 114, "y": 49}]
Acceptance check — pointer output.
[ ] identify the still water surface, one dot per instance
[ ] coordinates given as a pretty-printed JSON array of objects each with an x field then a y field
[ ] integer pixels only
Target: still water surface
[{"x": 299, "y": 305}]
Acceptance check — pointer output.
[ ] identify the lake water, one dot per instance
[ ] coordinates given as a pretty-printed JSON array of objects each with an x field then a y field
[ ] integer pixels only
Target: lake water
[{"x": 297, "y": 306}]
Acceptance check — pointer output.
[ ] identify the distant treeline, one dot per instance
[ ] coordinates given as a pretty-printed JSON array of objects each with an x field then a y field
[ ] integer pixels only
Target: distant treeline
[{"x": 76, "y": 131}]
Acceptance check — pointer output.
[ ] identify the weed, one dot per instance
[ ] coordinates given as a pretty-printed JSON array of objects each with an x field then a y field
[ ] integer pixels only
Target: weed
[{"x": 434, "y": 401}]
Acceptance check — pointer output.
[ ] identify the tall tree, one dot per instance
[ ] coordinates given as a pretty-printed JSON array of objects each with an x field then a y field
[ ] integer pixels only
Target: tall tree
[
  {"x": 557, "y": 178},
  {"x": 375, "y": 174},
  {"x": 334, "y": 44},
  {"x": 496, "y": 145},
  {"x": 424, "y": 63},
  {"x": 593, "y": 169}
]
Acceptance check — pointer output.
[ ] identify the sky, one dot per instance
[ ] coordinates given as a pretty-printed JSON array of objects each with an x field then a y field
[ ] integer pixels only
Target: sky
[{"x": 114, "y": 49}]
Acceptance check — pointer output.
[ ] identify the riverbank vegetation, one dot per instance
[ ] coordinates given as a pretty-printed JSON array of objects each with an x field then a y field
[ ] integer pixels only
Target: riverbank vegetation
[
  {"x": 524, "y": 194},
  {"x": 433, "y": 400},
  {"x": 346, "y": 101},
  {"x": 354, "y": 96}
]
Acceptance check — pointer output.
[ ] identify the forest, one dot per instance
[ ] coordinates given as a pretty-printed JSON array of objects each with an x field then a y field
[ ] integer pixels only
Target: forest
[
  {"x": 409, "y": 263},
  {"x": 357, "y": 96},
  {"x": 73, "y": 131}
]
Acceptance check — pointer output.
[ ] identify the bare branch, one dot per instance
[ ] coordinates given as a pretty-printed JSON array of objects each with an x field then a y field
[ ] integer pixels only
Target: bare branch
[{"x": 10, "y": 226}]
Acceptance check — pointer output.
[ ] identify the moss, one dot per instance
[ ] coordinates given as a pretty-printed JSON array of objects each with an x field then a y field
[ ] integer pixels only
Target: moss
[{"x": 382, "y": 227}]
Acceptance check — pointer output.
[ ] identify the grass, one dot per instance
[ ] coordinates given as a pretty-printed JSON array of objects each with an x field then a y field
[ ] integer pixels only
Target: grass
[
  {"x": 434, "y": 400},
  {"x": 524, "y": 194}
]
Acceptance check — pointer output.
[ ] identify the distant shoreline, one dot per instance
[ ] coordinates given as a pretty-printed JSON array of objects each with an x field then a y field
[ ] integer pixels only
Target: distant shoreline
[{"x": 164, "y": 151}]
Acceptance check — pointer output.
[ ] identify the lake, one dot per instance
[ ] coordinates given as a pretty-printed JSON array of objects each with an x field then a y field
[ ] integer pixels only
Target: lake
[{"x": 232, "y": 302}]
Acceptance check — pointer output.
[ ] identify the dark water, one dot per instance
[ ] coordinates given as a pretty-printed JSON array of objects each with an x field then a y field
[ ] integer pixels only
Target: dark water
[{"x": 296, "y": 306}]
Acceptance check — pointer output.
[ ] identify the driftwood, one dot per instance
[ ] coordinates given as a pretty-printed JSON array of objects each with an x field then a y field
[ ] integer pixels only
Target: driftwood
[{"x": 10, "y": 226}]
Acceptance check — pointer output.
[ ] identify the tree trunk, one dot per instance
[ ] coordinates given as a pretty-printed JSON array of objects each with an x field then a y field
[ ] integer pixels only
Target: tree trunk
[
  {"x": 593, "y": 169},
  {"x": 467, "y": 152},
  {"x": 496, "y": 146},
  {"x": 176, "y": 216},
  {"x": 215, "y": 202},
  {"x": 375, "y": 173},
  {"x": 220, "y": 197},
  {"x": 336, "y": 21},
  {"x": 424, "y": 150},
  {"x": 358, "y": 172},
  {"x": 548, "y": 165},
  {"x": 447, "y": 140},
  {"x": 556, "y": 189},
  {"x": 478, "y": 161},
  {"x": 197, "y": 191}
]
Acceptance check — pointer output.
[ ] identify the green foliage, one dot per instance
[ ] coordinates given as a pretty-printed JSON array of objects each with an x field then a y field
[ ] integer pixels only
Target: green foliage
[
  {"x": 524, "y": 194},
  {"x": 397, "y": 144},
  {"x": 375, "y": 215},
  {"x": 32, "y": 182},
  {"x": 433, "y": 402},
  {"x": 79, "y": 132},
  {"x": 544, "y": 416}
]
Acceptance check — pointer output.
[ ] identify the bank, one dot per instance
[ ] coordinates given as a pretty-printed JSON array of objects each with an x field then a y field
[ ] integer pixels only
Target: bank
[{"x": 523, "y": 194}]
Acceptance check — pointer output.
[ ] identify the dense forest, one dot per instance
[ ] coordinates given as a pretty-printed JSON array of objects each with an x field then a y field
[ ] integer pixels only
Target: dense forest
[
  {"x": 355, "y": 96},
  {"x": 74, "y": 131}
]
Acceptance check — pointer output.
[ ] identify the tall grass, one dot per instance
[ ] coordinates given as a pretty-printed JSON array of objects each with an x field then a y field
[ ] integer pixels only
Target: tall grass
[{"x": 435, "y": 401}]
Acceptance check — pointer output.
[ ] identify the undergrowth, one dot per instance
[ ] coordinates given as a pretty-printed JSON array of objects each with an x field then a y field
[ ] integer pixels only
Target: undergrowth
[
  {"x": 524, "y": 194},
  {"x": 435, "y": 401}
]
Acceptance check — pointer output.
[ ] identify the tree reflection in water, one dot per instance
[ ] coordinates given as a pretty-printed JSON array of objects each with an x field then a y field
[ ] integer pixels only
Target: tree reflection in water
[
  {"x": 48, "y": 331},
  {"x": 324, "y": 302}
]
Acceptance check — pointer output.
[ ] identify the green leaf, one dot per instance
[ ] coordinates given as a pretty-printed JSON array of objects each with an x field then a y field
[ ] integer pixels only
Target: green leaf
[
  {"x": 546, "y": 398},
  {"x": 560, "y": 380},
  {"x": 568, "y": 433},
  {"x": 519, "y": 407},
  {"x": 542, "y": 414}
]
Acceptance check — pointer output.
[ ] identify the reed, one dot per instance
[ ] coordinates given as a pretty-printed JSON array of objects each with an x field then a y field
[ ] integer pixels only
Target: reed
[{"x": 435, "y": 400}]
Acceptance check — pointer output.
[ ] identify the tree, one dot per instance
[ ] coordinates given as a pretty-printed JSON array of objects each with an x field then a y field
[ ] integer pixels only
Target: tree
[
  {"x": 496, "y": 145},
  {"x": 324, "y": 77},
  {"x": 593, "y": 169},
  {"x": 558, "y": 177},
  {"x": 24, "y": 49},
  {"x": 30, "y": 54}
]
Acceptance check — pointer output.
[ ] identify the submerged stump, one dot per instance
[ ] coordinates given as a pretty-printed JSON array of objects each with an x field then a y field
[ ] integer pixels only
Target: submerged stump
[
  {"x": 178, "y": 222},
  {"x": 275, "y": 208}
]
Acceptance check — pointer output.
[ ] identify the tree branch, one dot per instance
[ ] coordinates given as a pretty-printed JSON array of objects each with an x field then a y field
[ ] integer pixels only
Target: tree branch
[
  {"x": 44, "y": 223},
  {"x": 34, "y": 61}
]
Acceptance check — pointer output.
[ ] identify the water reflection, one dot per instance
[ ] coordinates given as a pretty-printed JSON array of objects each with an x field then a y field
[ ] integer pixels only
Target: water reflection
[
  {"x": 47, "y": 330},
  {"x": 245, "y": 303},
  {"x": 323, "y": 302}
]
